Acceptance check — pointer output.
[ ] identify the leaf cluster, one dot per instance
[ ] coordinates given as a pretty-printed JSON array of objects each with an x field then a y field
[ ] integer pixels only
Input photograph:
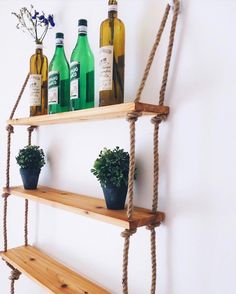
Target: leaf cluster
[
  {"x": 31, "y": 157},
  {"x": 112, "y": 167}
]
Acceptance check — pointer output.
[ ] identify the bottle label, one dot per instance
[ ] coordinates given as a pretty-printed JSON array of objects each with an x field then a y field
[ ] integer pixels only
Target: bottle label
[
  {"x": 112, "y": 7},
  {"x": 106, "y": 68},
  {"x": 53, "y": 87},
  {"x": 35, "y": 82},
  {"x": 60, "y": 41},
  {"x": 74, "y": 80},
  {"x": 82, "y": 29}
]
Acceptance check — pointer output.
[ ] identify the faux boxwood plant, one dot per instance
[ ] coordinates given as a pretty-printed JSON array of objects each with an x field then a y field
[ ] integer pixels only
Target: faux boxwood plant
[
  {"x": 31, "y": 157},
  {"x": 112, "y": 167}
]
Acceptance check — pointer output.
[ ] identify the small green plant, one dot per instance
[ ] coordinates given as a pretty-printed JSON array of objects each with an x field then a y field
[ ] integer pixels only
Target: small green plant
[
  {"x": 31, "y": 157},
  {"x": 112, "y": 167}
]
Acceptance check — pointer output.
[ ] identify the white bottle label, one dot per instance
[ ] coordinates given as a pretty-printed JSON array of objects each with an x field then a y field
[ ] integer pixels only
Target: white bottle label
[
  {"x": 82, "y": 29},
  {"x": 74, "y": 80},
  {"x": 35, "y": 82},
  {"x": 53, "y": 87},
  {"x": 106, "y": 68},
  {"x": 112, "y": 7}
]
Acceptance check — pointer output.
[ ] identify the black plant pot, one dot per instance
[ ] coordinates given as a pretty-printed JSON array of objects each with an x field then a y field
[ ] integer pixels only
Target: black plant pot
[
  {"x": 115, "y": 197},
  {"x": 30, "y": 178}
]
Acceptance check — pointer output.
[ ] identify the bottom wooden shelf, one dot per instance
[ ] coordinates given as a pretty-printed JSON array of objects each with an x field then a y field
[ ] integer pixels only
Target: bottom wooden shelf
[{"x": 50, "y": 274}]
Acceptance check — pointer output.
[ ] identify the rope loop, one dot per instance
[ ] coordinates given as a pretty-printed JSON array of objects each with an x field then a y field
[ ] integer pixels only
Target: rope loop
[
  {"x": 15, "y": 275},
  {"x": 151, "y": 227},
  {"x": 127, "y": 233},
  {"x": 5, "y": 195},
  {"x": 10, "y": 129}
]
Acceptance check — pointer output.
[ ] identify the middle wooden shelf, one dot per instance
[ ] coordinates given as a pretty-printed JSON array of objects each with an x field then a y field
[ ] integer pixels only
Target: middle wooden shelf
[{"x": 88, "y": 206}]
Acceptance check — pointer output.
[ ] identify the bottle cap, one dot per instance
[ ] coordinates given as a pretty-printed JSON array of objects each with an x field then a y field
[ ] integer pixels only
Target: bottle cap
[
  {"x": 59, "y": 36},
  {"x": 83, "y": 26},
  {"x": 83, "y": 22}
]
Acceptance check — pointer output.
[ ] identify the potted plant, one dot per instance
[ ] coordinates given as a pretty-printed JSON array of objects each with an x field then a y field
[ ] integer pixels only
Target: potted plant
[
  {"x": 112, "y": 169},
  {"x": 30, "y": 159}
]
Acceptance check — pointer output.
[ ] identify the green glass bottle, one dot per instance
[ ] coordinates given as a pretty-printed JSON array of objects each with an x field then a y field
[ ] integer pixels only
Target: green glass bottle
[
  {"x": 59, "y": 79},
  {"x": 82, "y": 71}
]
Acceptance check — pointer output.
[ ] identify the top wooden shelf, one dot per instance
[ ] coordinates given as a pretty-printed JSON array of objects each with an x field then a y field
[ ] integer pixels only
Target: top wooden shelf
[{"x": 96, "y": 113}]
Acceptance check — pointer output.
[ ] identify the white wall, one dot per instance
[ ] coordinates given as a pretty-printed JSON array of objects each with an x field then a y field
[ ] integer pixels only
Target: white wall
[{"x": 196, "y": 244}]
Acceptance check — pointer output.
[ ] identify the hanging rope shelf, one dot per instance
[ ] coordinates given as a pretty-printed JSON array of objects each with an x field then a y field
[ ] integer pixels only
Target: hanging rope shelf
[{"x": 132, "y": 111}]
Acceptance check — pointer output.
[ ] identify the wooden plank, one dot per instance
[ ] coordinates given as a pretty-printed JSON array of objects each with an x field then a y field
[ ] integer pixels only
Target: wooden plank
[
  {"x": 97, "y": 113},
  {"x": 88, "y": 206},
  {"x": 49, "y": 273}
]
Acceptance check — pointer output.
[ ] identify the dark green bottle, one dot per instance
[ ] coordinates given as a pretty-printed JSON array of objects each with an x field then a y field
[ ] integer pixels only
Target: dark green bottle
[
  {"x": 82, "y": 71},
  {"x": 59, "y": 79}
]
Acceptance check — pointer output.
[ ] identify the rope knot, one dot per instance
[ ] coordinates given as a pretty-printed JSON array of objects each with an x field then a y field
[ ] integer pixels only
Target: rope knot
[
  {"x": 151, "y": 227},
  {"x": 127, "y": 233},
  {"x": 15, "y": 274},
  {"x": 133, "y": 116},
  {"x": 158, "y": 118},
  {"x": 31, "y": 129},
  {"x": 10, "y": 129},
  {"x": 5, "y": 195}
]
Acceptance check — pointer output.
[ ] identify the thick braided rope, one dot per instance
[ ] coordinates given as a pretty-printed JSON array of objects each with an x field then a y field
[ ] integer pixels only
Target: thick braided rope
[
  {"x": 20, "y": 95},
  {"x": 169, "y": 53},
  {"x": 153, "y": 255},
  {"x": 15, "y": 275},
  {"x": 30, "y": 130},
  {"x": 156, "y": 121},
  {"x": 132, "y": 118},
  {"x": 5, "y": 196},
  {"x": 10, "y": 130},
  {"x": 152, "y": 54},
  {"x": 126, "y": 234},
  {"x": 26, "y": 221}
]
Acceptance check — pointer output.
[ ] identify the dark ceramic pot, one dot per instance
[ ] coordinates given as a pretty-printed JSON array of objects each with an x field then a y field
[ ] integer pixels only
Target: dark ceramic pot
[
  {"x": 30, "y": 178},
  {"x": 115, "y": 197}
]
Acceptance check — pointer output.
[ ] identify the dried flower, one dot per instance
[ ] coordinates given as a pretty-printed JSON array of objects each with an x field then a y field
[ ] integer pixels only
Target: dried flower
[{"x": 36, "y": 24}]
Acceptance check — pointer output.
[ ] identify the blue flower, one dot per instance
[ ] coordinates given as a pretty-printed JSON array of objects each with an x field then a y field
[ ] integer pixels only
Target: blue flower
[
  {"x": 36, "y": 13},
  {"x": 51, "y": 20},
  {"x": 41, "y": 17},
  {"x": 45, "y": 21}
]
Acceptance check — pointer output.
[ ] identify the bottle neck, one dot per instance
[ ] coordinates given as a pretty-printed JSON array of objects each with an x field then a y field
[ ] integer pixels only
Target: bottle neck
[
  {"x": 82, "y": 31},
  {"x": 39, "y": 48},
  {"x": 59, "y": 42},
  {"x": 112, "y": 10}
]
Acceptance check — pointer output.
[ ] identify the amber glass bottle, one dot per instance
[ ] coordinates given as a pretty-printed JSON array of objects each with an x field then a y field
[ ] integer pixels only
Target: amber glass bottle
[
  {"x": 112, "y": 58},
  {"x": 38, "y": 82}
]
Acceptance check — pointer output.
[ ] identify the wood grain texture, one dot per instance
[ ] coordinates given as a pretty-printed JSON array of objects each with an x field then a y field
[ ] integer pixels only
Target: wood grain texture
[
  {"x": 49, "y": 273},
  {"x": 88, "y": 206},
  {"x": 97, "y": 113}
]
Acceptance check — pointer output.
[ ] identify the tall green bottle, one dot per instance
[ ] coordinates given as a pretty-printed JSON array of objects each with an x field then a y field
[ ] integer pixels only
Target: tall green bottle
[
  {"x": 59, "y": 79},
  {"x": 82, "y": 71}
]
